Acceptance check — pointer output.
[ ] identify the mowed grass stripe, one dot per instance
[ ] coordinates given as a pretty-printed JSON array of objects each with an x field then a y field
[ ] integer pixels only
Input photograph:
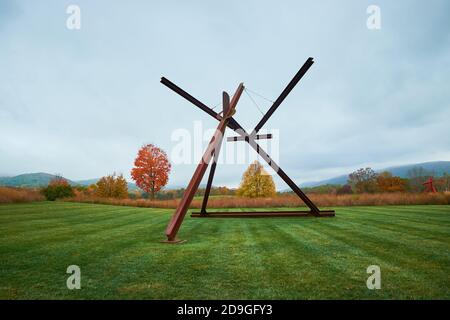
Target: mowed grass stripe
[
  {"x": 403, "y": 223},
  {"x": 397, "y": 251},
  {"x": 411, "y": 213},
  {"x": 400, "y": 227},
  {"x": 83, "y": 213},
  {"x": 358, "y": 247},
  {"x": 120, "y": 255},
  {"x": 64, "y": 228}
]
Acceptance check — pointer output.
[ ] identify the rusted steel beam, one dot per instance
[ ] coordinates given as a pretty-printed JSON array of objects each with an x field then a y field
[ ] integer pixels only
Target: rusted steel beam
[
  {"x": 284, "y": 176},
  {"x": 183, "y": 206},
  {"x": 243, "y": 135},
  {"x": 231, "y": 122},
  {"x": 284, "y": 94},
  {"x": 212, "y": 171},
  {"x": 225, "y": 108},
  {"x": 190, "y": 98},
  {"x": 261, "y": 214},
  {"x": 257, "y": 137},
  {"x": 241, "y": 131}
]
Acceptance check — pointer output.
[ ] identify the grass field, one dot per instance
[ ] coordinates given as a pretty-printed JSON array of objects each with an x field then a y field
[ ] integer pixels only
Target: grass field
[{"x": 118, "y": 251}]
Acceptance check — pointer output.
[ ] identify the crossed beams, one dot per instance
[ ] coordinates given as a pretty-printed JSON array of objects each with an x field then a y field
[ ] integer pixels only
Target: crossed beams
[
  {"x": 216, "y": 140},
  {"x": 214, "y": 148}
]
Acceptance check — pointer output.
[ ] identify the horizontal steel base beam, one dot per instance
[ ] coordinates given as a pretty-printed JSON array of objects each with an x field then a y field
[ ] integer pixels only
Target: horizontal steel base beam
[{"x": 261, "y": 214}]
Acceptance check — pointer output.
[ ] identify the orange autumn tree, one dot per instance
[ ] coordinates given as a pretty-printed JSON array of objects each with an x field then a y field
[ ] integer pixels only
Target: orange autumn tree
[
  {"x": 388, "y": 183},
  {"x": 151, "y": 169}
]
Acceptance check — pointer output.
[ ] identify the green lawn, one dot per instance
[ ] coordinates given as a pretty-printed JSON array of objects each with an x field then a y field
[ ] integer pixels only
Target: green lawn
[{"x": 118, "y": 251}]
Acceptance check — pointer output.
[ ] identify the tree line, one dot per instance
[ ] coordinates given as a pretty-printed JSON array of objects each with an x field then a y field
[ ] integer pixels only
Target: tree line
[
  {"x": 152, "y": 168},
  {"x": 366, "y": 180}
]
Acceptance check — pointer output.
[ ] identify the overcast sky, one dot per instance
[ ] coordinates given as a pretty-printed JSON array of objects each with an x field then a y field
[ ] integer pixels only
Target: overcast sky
[{"x": 82, "y": 102}]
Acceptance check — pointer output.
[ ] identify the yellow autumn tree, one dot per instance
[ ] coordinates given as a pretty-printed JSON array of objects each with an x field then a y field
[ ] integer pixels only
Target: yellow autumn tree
[
  {"x": 256, "y": 182},
  {"x": 112, "y": 186},
  {"x": 386, "y": 182}
]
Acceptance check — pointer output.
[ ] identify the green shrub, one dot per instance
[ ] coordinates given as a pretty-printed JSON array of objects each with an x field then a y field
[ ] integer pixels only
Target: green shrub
[{"x": 58, "y": 188}]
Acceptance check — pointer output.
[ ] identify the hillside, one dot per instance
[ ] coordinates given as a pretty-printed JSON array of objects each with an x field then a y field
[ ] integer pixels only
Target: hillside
[
  {"x": 41, "y": 179},
  {"x": 88, "y": 182},
  {"x": 438, "y": 168},
  {"x": 29, "y": 180}
]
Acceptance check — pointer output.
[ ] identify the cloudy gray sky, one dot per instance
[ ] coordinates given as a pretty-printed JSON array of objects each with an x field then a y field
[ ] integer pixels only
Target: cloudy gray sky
[{"x": 81, "y": 102}]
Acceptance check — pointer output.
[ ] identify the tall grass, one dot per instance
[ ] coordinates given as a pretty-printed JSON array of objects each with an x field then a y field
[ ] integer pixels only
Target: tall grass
[
  {"x": 13, "y": 195},
  {"x": 322, "y": 200}
]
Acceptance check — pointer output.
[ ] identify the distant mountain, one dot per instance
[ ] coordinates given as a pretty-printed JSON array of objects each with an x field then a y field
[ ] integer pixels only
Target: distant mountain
[
  {"x": 336, "y": 180},
  {"x": 180, "y": 186},
  {"x": 174, "y": 187},
  {"x": 437, "y": 167},
  {"x": 88, "y": 182},
  {"x": 39, "y": 179}
]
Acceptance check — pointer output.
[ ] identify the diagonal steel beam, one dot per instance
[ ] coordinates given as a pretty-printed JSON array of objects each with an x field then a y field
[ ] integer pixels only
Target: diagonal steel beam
[
  {"x": 241, "y": 131},
  {"x": 314, "y": 209},
  {"x": 183, "y": 206},
  {"x": 212, "y": 171},
  {"x": 284, "y": 94},
  {"x": 231, "y": 122}
]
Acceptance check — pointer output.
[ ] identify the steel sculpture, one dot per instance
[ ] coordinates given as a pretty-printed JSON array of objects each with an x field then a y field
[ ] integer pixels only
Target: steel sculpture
[{"x": 212, "y": 152}]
